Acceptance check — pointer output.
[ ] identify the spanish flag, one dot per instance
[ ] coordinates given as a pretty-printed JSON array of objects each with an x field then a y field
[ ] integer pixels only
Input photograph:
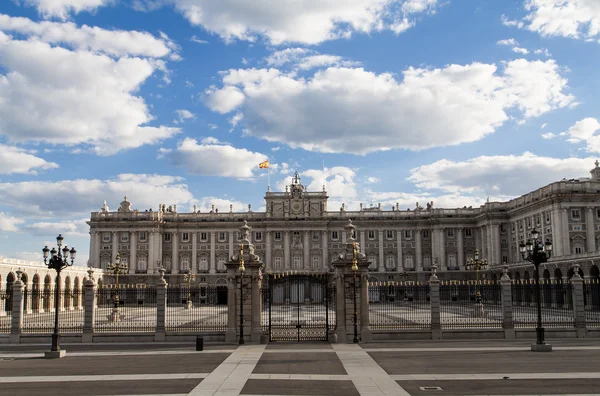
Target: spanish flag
[{"x": 263, "y": 165}]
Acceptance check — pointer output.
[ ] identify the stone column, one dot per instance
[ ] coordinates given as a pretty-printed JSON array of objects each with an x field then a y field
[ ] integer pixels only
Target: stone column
[
  {"x": 489, "y": 244},
  {"x": 365, "y": 330},
  {"x": 231, "y": 332},
  {"x": 16, "y": 325},
  {"x": 175, "y": 252},
  {"x": 434, "y": 299},
  {"x": 497, "y": 244},
  {"x": 418, "y": 250},
  {"x": 286, "y": 249},
  {"x": 507, "y": 306},
  {"x": 442, "y": 249},
  {"x": 231, "y": 236},
  {"x": 3, "y": 304},
  {"x": 194, "y": 252},
  {"x": 578, "y": 303},
  {"x": 256, "y": 332},
  {"x": 557, "y": 246},
  {"x": 565, "y": 232},
  {"x": 213, "y": 260},
  {"x": 161, "y": 308},
  {"x": 92, "y": 261},
  {"x": 324, "y": 247},
  {"x": 306, "y": 252},
  {"x": 269, "y": 251},
  {"x": 89, "y": 290},
  {"x": 152, "y": 259},
  {"x": 133, "y": 253},
  {"x": 460, "y": 248},
  {"x": 510, "y": 242},
  {"x": 400, "y": 265},
  {"x": 115, "y": 245},
  {"x": 477, "y": 235},
  {"x": 381, "y": 258},
  {"x": 590, "y": 234},
  {"x": 340, "y": 305}
]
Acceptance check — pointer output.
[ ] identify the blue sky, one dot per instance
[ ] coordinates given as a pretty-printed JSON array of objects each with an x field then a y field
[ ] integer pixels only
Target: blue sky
[{"x": 177, "y": 101}]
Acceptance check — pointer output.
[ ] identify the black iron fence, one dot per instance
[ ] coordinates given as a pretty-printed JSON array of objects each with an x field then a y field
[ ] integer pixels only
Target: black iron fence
[
  {"x": 399, "y": 305},
  {"x": 126, "y": 309},
  {"x": 39, "y": 308},
  {"x": 5, "y": 310},
  {"x": 196, "y": 309},
  {"x": 470, "y": 304},
  {"x": 556, "y": 303},
  {"x": 591, "y": 291}
]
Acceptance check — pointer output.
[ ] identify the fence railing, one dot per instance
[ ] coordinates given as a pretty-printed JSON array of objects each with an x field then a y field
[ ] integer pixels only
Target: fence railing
[
  {"x": 196, "y": 309},
  {"x": 556, "y": 303},
  {"x": 470, "y": 304},
  {"x": 134, "y": 310},
  {"x": 591, "y": 292},
  {"x": 399, "y": 305},
  {"x": 39, "y": 308},
  {"x": 5, "y": 310}
]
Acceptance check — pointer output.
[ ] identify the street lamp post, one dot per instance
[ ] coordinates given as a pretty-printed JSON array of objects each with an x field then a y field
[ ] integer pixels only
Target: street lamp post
[
  {"x": 116, "y": 268},
  {"x": 188, "y": 277},
  {"x": 354, "y": 270},
  {"x": 476, "y": 264},
  {"x": 537, "y": 253},
  {"x": 57, "y": 262},
  {"x": 242, "y": 269}
]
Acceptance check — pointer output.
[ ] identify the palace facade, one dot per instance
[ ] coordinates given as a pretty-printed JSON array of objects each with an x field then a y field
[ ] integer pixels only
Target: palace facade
[{"x": 297, "y": 232}]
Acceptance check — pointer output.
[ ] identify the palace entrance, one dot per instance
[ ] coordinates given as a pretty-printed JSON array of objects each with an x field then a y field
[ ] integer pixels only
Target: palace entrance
[{"x": 298, "y": 307}]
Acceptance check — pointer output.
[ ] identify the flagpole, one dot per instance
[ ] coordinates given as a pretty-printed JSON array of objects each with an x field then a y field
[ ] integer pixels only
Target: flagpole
[{"x": 269, "y": 179}]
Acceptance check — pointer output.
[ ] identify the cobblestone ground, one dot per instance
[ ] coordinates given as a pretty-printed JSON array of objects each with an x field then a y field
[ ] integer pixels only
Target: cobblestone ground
[{"x": 401, "y": 368}]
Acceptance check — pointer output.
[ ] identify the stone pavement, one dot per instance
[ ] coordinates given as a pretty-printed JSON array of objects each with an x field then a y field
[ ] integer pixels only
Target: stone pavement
[{"x": 415, "y": 368}]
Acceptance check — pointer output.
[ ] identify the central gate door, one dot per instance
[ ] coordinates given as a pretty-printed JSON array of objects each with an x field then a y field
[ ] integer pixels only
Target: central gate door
[{"x": 300, "y": 307}]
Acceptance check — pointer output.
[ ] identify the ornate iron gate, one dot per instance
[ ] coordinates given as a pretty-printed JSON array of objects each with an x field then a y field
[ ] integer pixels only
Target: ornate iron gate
[{"x": 299, "y": 307}]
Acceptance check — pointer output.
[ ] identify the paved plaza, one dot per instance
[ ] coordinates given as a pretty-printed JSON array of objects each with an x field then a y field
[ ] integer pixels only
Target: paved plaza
[{"x": 415, "y": 368}]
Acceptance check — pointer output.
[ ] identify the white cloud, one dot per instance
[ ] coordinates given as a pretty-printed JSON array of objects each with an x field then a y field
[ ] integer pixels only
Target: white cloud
[
  {"x": 63, "y": 8},
  {"x": 112, "y": 42},
  {"x": 372, "y": 180},
  {"x": 9, "y": 223},
  {"x": 59, "y": 96},
  {"x": 519, "y": 50},
  {"x": 510, "y": 42},
  {"x": 548, "y": 135},
  {"x": 585, "y": 131},
  {"x": 304, "y": 59},
  {"x": 579, "y": 19},
  {"x": 505, "y": 176},
  {"x": 17, "y": 160},
  {"x": 54, "y": 227},
  {"x": 196, "y": 40},
  {"x": 80, "y": 197},
  {"x": 184, "y": 115},
  {"x": 371, "y": 112},
  {"x": 210, "y": 158},
  {"x": 302, "y": 21}
]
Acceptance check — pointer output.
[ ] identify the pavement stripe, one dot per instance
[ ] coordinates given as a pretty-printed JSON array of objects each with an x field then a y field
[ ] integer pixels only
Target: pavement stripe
[
  {"x": 109, "y": 377},
  {"x": 495, "y": 376},
  {"x": 479, "y": 349},
  {"x": 113, "y": 353},
  {"x": 309, "y": 377},
  {"x": 367, "y": 376},
  {"x": 230, "y": 376}
]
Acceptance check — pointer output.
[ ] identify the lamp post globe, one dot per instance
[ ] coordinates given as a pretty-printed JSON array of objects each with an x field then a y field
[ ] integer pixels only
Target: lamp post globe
[{"x": 57, "y": 259}]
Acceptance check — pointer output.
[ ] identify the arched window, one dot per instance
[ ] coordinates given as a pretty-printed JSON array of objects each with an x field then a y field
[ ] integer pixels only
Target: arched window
[
  {"x": 315, "y": 262},
  {"x": 390, "y": 262},
  {"x": 409, "y": 263},
  {"x": 278, "y": 263},
  {"x": 297, "y": 261},
  {"x": 373, "y": 260},
  {"x": 142, "y": 265},
  {"x": 451, "y": 261},
  {"x": 203, "y": 264},
  {"x": 167, "y": 263},
  {"x": 221, "y": 264},
  {"x": 426, "y": 262},
  {"x": 184, "y": 265}
]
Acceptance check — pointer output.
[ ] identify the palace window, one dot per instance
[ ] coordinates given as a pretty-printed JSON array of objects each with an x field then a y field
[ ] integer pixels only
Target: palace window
[
  {"x": 547, "y": 217},
  {"x": 575, "y": 214},
  {"x": 125, "y": 236},
  {"x": 371, "y": 235},
  {"x": 408, "y": 262},
  {"x": 143, "y": 236},
  {"x": 425, "y": 234},
  {"x": 222, "y": 237},
  {"x": 221, "y": 264},
  {"x": 315, "y": 262},
  {"x": 390, "y": 262},
  {"x": 142, "y": 264},
  {"x": 185, "y": 263},
  {"x": 538, "y": 220},
  {"x": 450, "y": 232},
  {"x": 106, "y": 237},
  {"x": 203, "y": 263},
  {"x": 468, "y": 232},
  {"x": 577, "y": 227},
  {"x": 239, "y": 236},
  {"x": 185, "y": 237},
  {"x": 167, "y": 237},
  {"x": 334, "y": 235},
  {"x": 297, "y": 261},
  {"x": 578, "y": 249},
  {"x": 258, "y": 236},
  {"x": 204, "y": 236},
  {"x": 389, "y": 234},
  {"x": 451, "y": 261},
  {"x": 277, "y": 235},
  {"x": 373, "y": 260},
  {"x": 407, "y": 234},
  {"x": 278, "y": 265},
  {"x": 426, "y": 262},
  {"x": 315, "y": 235}
]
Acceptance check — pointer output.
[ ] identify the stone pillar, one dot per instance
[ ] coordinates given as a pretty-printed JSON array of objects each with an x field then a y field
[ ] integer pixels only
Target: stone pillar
[
  {"x": 92, "y": 260},
  {"x": 434, "y": 299},
  {"x": 511, "y": 244},
  {"x": 161, "y": 308},
  {"x": 194, "y": 252},
  {"x": 507, "y": 306},
  {"x": 400, "y": 265},
  {"x": 133, "y": 253},
  {"x": 418, "y": 250},
  {"x": 590, "y": 234},
  {"x": 175, "y": 252},
  {"x": 286, "y": 250},
  {"x": 256, "y": 332},
  {"x": 565, "y": 232},
  {"x": 306, "y": 253},
  {"x": 340, "y": 305},
  {"x": 578, "y": 303},
  {"x": 324, "y": 247},
  {"x": 365, "y": 330},
  {"x": 557, "y": 246},
  {"x": 489, "y": 243},
  {"x": 269, "y": 251},
  {"x": 213, "y": 260},
  {"x": 16, "y": 325},
  {"x": 477, "y": 235},
  {"x": 381, "y": 258},
  {"x": 231, "y": 332},
  {"x": 497, "y": 244},
  {"x": 442, "y": 249},
  {"x": 152, "y": 258},
  {"x": 231, "y": 235},
  {"x": 460, "y": 248},
  {"x": 89, "y": 290},
  {"x": 115, "y": 245},
  {"x": 3, "y": 303}
]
